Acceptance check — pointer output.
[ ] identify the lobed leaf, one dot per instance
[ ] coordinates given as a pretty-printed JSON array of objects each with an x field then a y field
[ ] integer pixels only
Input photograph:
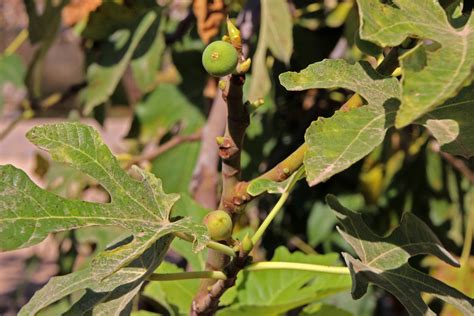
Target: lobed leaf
[
  {"x": 335, "y": 143},
  {"x": 451, "y": 123},
  {"x": 109, "y": 297},
  {"x": 438, "y": 67},
  {"x": 384, "y": 261},
  {"x": 28, "y": 213}
]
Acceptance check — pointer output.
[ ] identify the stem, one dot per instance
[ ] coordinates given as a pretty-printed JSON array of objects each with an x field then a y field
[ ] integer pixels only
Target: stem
[
  {"x": 217, "y": 275},
  {"x": 211, "y": 244},
  {"x": 271, "y": 265},
  {"x": 17, "y": 42},
  {"x": 221, "y": 248},
  {"x": 151, "y": 154},
  {"x": 273, "y": 213},
  {"x": 231, "y": 147}
]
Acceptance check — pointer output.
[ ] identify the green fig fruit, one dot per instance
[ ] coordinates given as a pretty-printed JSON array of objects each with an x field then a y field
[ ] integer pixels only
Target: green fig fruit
[
  {"x": 220, "y": 58},
  {"x": 219, "y": 225}
]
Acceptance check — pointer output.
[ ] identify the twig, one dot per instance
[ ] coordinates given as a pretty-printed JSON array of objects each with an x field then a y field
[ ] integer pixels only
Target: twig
[
  {"x": 459, "y": 165},
  {"x": 158, "y": 150},
  {"x": 456, "y": 163},
  {"x": 25, "y": 115},
  {"x": 17, "y": 42},
  {"x": 57, "y": 98}
]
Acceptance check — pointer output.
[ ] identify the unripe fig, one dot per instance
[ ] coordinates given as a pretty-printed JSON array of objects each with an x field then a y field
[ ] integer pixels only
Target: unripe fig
[
  {"x": 220, "y": 58},
  {"x": 219, "y": 225}
]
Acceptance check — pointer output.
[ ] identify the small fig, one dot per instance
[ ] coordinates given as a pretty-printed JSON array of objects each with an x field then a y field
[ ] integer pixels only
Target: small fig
[
  {"x": 220, "y": 58},
  {"x": 219, "y": 225}
]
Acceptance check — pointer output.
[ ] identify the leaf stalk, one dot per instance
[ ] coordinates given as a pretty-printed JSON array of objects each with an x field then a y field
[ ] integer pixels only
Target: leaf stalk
[{"x": 217, "y": 275}]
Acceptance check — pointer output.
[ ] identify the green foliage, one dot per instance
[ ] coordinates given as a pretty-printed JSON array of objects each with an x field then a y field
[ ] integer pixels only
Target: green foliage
[
  {"x": 384, "y": 261},
  {"x": 335, "y": 143},
  {"x": 277, "y": 292},
  {"x": 437, "y": 67},
  {"x": 175, "y": 296},
  {"x": 104, "y": 75},
  {"x": 112, "y": 296},
  {"x": 275, "y": 35},
  {"x": 140, "y": 207}
]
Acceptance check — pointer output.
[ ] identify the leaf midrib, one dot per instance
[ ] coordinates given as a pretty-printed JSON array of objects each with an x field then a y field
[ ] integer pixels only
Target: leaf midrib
[{"x": 125, "y": 192}]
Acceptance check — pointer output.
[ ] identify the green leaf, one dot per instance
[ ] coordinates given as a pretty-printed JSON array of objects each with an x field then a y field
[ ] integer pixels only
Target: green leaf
[
  {"x": 335, "y": 143},
  {"x": 451, "y": 123},
  {"x": 321, "y": 221},
  {"x": 108, "y": 18},
  {"x": 147, "y": 57},
  {"x": 162, "y": 109},
  {"x": 177, "y": 295},
  {"x": 320, "y": 309},
  {"x": 437, "y": 68},
  {"x": 104, "y": 75},
  {"x": 278, "y": 291},
  {"x": 384, "y": 261},
  {"x": 117, "y": 289},
  {"x": 276, "y": 34},
  {"x": 28, "y": 213}
]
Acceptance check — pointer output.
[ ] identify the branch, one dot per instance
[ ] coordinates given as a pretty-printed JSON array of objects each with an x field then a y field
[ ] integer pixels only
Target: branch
[
  {"x": 158, "y": 150},
  {"x": 230, "y": 147},
  {"x": 208, "y": 304}
]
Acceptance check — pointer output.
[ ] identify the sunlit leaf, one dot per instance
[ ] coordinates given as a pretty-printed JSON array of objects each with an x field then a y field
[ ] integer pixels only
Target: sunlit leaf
[
  {"x": 335, "y": 143},
  {"x": 438, "y": 67},
  {"x": 28, "y": 213}
]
